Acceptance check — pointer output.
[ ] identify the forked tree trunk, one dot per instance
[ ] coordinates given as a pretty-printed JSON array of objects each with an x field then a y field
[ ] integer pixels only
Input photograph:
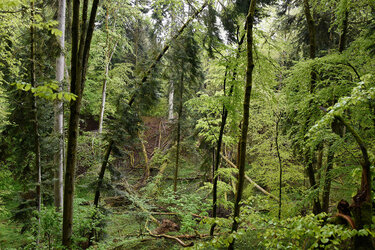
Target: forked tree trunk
[
  {"x": 178, "y": 133},
  {"x": 59, "y": 111},
  {"x": 246, "y": 114},
  {"x": 79, "y": 59}
]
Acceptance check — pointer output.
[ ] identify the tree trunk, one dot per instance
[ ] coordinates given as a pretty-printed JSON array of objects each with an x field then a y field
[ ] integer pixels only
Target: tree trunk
[
  {"x": 328, "y": 179},
  {"x": 178, "y": 133},
  {"x": 38, "y": 166},
  {"x": 217, "y": 160},
  {"x": 219, "y": 142},
  {"x": 344, "y": 31},
  {"x": 79, "y": 59},
  {"x": 362, "y": 202},
  {"x": 308, "y": 155},
  {"x": 72, "y": 132},
  {"x": 280, "y": 163},
  {"x": 246, "y": 114},
  {"x": 101, "y": 174},
  {"x": 59, "y": 111},
  {"x": 170, "y": 102},
  {"x": 108, "y": 58}
]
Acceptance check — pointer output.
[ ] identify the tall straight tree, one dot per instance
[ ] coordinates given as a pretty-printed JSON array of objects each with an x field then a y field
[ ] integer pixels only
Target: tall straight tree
[
  {"x": 81, "y": 42},
  {"x": 308, "y": 156},
  {"x": 59, "y": 111},
  {"x": 35, "y": 113},
  {"x": 246, "y": 114},
  {"x": 178, "y": 140}
]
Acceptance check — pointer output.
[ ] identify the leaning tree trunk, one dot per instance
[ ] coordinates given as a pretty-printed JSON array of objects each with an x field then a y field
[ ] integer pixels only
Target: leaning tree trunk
[
  {"x": 35, "y": 113},
  {"x": 246, "y": 114},
  {"x": 59, "y": 111},
  {"x": 178, "y": 133},
  {"x": 153, "y": 65},
  {"x": 79, "y": 59}
]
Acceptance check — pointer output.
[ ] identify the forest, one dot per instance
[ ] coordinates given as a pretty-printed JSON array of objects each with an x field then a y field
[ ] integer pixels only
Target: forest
[{"x": 198, "y": 124}]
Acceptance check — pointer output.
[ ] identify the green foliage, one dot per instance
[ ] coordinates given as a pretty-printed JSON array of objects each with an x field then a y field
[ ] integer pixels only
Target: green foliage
[
  {"x": 48, "y": 230},
  {"x": 307, "y": 232},
  {"x": 184, "y": 205},
  {"x": 47, "y": 91},
  {"x": 86, "y": 218}
]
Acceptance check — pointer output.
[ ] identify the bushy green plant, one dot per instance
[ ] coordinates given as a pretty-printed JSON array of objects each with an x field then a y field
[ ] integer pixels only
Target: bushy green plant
[
  {"x": 48, "y": 230},
  {"x": 184, "y": 205},
  {"x": 308, "y": 232}
]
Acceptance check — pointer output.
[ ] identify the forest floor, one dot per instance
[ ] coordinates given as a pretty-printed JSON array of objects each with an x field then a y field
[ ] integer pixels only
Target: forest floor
[{"x": 131, "y": 210}]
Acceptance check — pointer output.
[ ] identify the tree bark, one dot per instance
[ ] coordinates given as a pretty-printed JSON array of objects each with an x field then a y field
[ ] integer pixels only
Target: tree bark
[
  {"x": 246, "y": 114},
  {"x": 59, "y": 111},
  {"x": 72, "y": 132},
  {"x": 79, "y": 59},
  {"x": 178, "y": 133}
]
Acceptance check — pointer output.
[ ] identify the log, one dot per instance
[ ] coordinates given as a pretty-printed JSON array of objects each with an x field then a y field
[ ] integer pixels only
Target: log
[{"x": 250, "y": 180}]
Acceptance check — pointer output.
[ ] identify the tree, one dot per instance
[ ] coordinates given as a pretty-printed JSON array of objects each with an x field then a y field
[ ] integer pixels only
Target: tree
[
  {"x": 35, "y": 113},
  {"x": 246, "y": 107},
  {"x": 59, "y": 109},
  {"x": 81, "y": 42}
]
